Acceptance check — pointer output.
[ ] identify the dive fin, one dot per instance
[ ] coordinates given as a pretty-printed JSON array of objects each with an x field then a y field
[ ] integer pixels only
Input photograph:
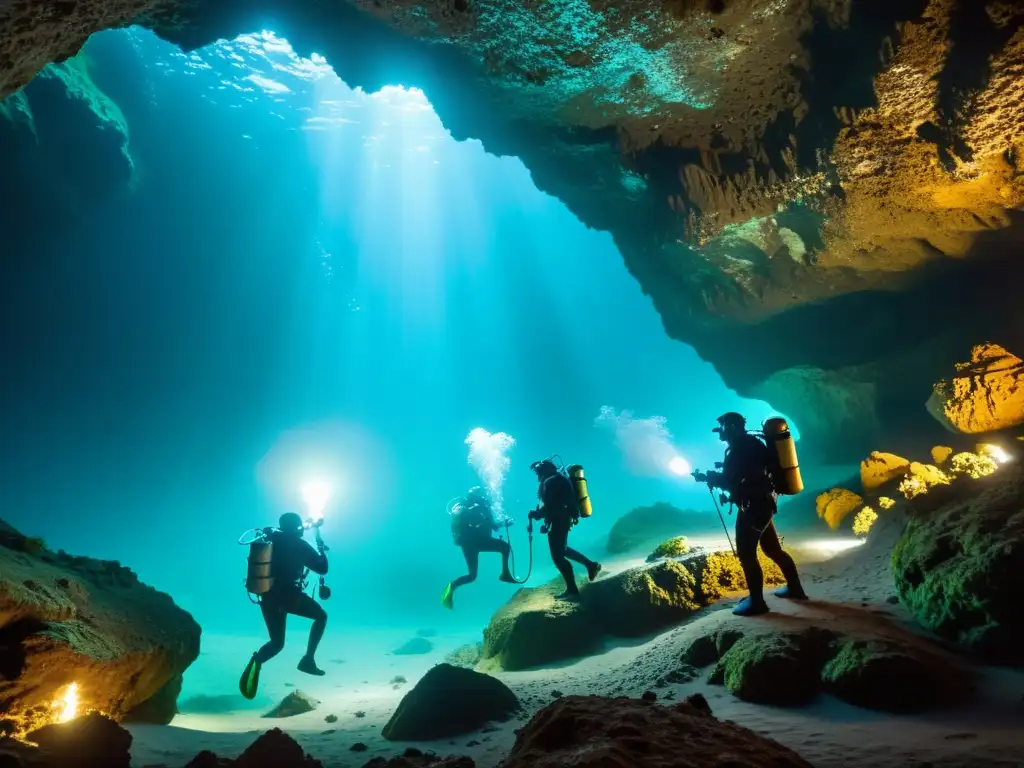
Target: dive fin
[
  {"x": 448, "y": 598},
  {"x": 250, "y": 681}
]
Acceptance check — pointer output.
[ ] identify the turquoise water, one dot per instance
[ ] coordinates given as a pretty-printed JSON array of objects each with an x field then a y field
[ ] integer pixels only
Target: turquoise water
[{"x": 306, "y": 282}]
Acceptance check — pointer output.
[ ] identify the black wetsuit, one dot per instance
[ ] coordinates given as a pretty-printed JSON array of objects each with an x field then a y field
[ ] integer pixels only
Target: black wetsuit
[
  {"x": 291, "y": 557},
  {"x": 472, "y": 530},
  {"x": 559, "y": 512},
  {"x": 745, "y": 475}
]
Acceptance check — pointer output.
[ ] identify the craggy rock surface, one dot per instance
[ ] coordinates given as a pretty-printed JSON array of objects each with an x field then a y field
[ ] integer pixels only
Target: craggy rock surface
[
  {"x": 597, "y": 732},
  {"x": 787, "y": 660},
  {"x": 449, "y": 701},
  {"x": 273, "y": 749},
  {"x": 776, "y": 175},
  {"x": 956, "y": 565},
  {"x": 295, "y": 703},
  {"x": 533, "y": 628},
  {"x": 649, "y": 526},
  {"x": 985, "y": 395},
  {"x": 66, "y": 619}
]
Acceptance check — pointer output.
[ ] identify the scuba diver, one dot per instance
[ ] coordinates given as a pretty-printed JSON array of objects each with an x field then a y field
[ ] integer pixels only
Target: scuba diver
[
  {"x": 282, "y": 594},
  {"x": 747, "y": 476},
  {"x": 473, "y": 526},
  {"x": 560, "y": 511}
]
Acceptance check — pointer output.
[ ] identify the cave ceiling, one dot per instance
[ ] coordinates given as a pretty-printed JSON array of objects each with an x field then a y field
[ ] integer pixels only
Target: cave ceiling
[{"x": 823, "y": 197}]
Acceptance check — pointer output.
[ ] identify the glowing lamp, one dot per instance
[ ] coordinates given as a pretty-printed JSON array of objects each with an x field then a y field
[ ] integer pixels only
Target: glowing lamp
[
  {"x": 679, "y": 466},
  {"x": 994, "y": 452},
  {"x": 315, "y": 495},
  {"x": 67, "y": 705}
]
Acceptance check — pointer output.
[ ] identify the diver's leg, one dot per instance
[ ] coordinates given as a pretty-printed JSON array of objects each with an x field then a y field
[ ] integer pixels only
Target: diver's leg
[
  {"x": 275, "y": 616},
  {"x": 308, "y": 608},
  {"x": 501, "y": 546},
  {"x": 472, "y": 555},
  {"x": 748, "y": 534},
  {"x": 558, "y": 540},
  {"x": 772, "y": 548},
  {"x": 593, "y": 567}
]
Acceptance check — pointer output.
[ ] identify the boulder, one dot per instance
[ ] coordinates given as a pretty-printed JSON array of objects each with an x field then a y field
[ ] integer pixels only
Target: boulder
[
  {"x": 415, "y": 647},
  {"x": 940, "y": 453},
  {"x": 836, "y": 505},
  {"x": 957, "y": 565},
  {"x": 674, "y": 547},
  {"x": 90, "y": 740},
  {"x": 449, "y": 701},
  {"x": 533, "y": 629},
  {"x": 719, "y": 574},
  {"x": 880, "y": 469},
  {"x": 646, "y": 526},
  {"x": 985, "y": 395},
  {"x": 599, "y": 732},
  {"x": 273, "y": 749},
  {"x": 640, "y": 601},
  {"x": 414, "y": 758},
  {"x": 467, "y": 656},
  {"x": 74, "y": 620},
  {"x": 780, "y": 668},
  {"x": 295, "y": 703},
  {"x": 891, "y": 677}
]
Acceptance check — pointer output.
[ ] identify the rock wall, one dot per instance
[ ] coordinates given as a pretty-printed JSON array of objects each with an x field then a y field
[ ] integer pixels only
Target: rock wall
[
  {"x": 68, "y": 620},
  {"x": 778, "y": 177}
]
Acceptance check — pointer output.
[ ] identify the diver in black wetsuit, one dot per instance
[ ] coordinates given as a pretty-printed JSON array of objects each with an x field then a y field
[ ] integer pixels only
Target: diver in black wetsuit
[
  {"x": 559, "y": 512},
  {"x": 473, "y": 525},
  {"x": 746, "y": 477},
  {"x": 291, "y": 557}
]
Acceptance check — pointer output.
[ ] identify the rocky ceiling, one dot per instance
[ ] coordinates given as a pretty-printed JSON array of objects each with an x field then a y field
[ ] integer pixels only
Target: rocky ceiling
[{"x": 823, "y": 197}]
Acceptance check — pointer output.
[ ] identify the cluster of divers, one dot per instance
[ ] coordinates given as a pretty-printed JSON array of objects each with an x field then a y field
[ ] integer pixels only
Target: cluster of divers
[{"x": 757, "y": 468}]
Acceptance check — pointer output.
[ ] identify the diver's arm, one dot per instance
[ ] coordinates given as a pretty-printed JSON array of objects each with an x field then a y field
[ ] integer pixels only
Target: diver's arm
[{"x": 315, "y": 561}]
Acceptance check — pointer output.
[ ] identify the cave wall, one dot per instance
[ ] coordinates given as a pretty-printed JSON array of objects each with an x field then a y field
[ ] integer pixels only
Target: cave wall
[{"x": 818, "y": 195}]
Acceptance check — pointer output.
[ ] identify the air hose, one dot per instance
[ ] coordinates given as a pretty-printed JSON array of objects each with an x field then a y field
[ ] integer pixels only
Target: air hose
[
  {"x": 724, "y": 527},
  {"x": 512, "y": 553}
]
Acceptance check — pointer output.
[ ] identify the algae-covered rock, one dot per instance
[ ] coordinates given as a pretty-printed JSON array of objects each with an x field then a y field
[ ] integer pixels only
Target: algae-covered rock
[
  {"x": 674, "y": 547},
  {"x": 644, "y": 526},
  {"x": 295, "y": 703},
  {"x": 705, "y": 650},
  {"x": 836, "y": 505},
  {"x": 640, "y": 601},
  {"x": 985, "y": 395},
  {"x": 958, "y": 566},
  {"x": 75, "y": 620},
  {"x": 720, "y": 573},
  {"x": 533, "y": 629},
  {"x": 880, "y": 469},
  {"x": 886, "y": 676},
  {"x": 466, "y": 656},
  {"x": 599, "y": 732},
  {"x": 780, "y": 668},
  {"x": 940, "y": 453},
  {"x": 449, "y": 701}
]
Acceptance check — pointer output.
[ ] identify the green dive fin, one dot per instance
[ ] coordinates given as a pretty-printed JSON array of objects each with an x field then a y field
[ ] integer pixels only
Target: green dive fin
[
  {"x": 250, "y": 681},
  {"x": 448, "y": 598}
]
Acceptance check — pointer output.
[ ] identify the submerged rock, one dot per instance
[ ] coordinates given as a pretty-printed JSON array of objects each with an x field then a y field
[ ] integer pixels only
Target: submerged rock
[
  {"x": 467, "y": 656},
  {"x": 449, "y": 701},
  {"x": 414, "y": 758},
  {"x": 74, "y": 620},
  {"x": 879, "y": 469},
  {"x": 415, "y": 647},
  {"x": 599, "y": 732},
  {"x": 533, "y": 629},
  {"x": 836, "y": 505},
  {"x": 985, "y": 395},
  {"x": 674, "y": 547},
  {"x": 641, "y": 601},
  {"x": 957, "y": 565},
  {"x": 89, "y": 740},
  {"x": 645, "y": 526},
  {"x": 273, "y": 749},
  {"x": 295, "y": 703}
]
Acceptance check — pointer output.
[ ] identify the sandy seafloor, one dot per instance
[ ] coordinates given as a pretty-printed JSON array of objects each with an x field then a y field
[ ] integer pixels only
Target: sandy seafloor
[{"x": 851, "y": 588}]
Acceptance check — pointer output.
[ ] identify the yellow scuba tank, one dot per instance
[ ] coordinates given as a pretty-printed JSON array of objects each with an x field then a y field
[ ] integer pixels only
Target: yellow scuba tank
[
  {"x": 787, "y": 479},
  {"x": 258, "y": 580},
  {"x": 579, "y": 485}
]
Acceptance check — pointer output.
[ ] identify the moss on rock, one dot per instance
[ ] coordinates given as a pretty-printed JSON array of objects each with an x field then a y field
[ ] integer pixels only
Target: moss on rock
[
  {"x": 640, "y": 601},
  {"x": 674, "y": 547},
  {"x": 644, "y": 526},
  {"x": 773, "y": 668}
]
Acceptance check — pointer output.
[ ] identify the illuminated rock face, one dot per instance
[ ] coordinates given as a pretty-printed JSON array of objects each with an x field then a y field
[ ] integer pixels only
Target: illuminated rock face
[
  {"x": 985, "y": 395},
  {"x": 796, "y": 185},
  {"x": 836, "y": 505},
  {"x": 66, "y": 620},
  {"x": 880, "y": 468}
]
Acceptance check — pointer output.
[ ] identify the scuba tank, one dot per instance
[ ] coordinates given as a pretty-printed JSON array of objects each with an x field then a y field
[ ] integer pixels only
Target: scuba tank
[
  {"x": 579, "y": 485},
  {"x": 258, "y": 578},
  {"x": 786, "y": 475}
]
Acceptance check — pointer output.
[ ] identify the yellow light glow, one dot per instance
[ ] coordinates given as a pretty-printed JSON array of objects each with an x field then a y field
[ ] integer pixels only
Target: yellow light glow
[
  {"x": 67, "y": 705},
  {"x": 832, "y": 546},
  {"x": 994, "y": 452}
]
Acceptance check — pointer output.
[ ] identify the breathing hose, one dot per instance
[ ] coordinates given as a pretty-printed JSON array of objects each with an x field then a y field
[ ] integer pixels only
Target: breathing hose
[{"x": 512, "y": 553}]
